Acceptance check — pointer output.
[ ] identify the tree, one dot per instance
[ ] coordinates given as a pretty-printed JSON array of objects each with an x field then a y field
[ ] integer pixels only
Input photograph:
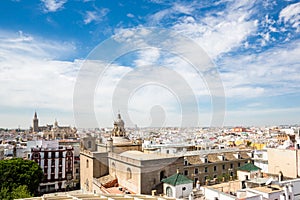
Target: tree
[
  {"x": 17, "y": 193},
  {"x": 17, "y": 172},
  {"x": 20, "y": 192},
  {"x": 4, "y": 193}
]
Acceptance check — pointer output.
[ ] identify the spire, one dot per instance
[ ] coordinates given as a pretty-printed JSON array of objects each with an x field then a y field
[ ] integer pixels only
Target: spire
[
  {"x": 119, "y": 115},
  {"x": 35, "y": 115}
]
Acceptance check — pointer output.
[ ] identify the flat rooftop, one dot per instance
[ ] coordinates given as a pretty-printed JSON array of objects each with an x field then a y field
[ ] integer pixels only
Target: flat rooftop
[
  {"x": 89, "y": 196},
  {"x": 138, "y": 155},
  {"x": 268, "y": 189}
]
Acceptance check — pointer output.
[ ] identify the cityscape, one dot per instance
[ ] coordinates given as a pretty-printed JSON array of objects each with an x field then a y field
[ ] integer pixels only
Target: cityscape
[
  {"x": 150, "y": 99},
  {"x": 120, "y": 162}
]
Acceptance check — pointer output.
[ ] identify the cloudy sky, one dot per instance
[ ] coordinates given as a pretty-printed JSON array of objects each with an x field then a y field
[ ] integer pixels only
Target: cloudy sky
[{"x": 254, "y": 47}]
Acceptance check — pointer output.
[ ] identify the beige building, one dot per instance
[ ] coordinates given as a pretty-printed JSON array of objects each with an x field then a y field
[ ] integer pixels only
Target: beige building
[
  {"x": 119, "y": 160},
  {"x": 284, "y": 160},
  {"x": 218, "y": 165}
]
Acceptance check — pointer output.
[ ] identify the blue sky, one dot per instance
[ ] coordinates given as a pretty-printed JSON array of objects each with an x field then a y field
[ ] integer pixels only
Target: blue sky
[{"x": 254, "y": 45}]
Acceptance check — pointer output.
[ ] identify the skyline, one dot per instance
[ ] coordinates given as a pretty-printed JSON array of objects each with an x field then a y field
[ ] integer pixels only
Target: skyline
[{"x": 254, "y": 46}]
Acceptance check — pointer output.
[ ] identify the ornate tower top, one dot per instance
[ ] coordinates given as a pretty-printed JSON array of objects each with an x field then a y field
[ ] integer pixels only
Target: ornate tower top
[{"x": 118, "y": 130}]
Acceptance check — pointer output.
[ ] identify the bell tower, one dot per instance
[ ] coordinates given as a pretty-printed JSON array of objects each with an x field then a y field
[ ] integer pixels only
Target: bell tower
[
  {"x": 119, "y": 130},
  {"x": 35, "y": 123}
]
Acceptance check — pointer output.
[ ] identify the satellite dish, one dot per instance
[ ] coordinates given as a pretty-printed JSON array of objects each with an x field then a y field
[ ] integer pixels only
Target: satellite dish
[{"x": 269, "y": 181}]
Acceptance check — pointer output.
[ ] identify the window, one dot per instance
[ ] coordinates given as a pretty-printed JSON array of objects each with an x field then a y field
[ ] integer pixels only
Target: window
[
  {"x": 196, "y": 170},
  {"x": 185, "y": 162},
  {"x": 87, "y": 163},
  {"x": 186, "y": 172},
  {"x": 69, "y": 153},
  {"x": 205, "y": 160},
  {"x": 205, "y": 170},
  {"x": 215, "y": 168},
  {"x": 239, "y": 164},
  {"x": 89, "y": 144},
  {"x": 169, "y": 191},
  {"x": 162, "y": 175},
  {"x": 129, "y": 173},
  {"x": 231, "y": 165},
  {"x": 223, "y": 167}
]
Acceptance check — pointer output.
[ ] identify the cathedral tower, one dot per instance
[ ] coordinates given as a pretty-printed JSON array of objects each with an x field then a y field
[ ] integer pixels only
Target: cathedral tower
[{"x": 35, "y": 123}]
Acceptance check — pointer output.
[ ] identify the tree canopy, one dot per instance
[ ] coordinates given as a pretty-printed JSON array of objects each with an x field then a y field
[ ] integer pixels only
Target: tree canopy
[{"x": 19, "y": 178}]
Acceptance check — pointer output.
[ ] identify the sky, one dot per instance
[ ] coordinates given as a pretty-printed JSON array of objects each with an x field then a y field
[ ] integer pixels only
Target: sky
[{"x": 252, "y": 47}]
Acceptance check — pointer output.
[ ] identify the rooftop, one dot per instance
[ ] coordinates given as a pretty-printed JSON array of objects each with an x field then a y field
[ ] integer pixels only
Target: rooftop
[
  {"x": 268, "y": 189},
  {"x": 138, "y": 155},
  {"x": 84, "y": 196},
  {"x": 249, "y": 167},
  {"x": 177, "y": 179}
]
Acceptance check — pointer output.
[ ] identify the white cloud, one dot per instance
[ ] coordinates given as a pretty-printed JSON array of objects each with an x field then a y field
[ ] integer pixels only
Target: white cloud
[
  {"x": 147, "y": 57},
  {"x": 167, "y": 13},
  {"x": 95, "y": 16},
  {"x": 220, "y": 32},
  {"x": 157, "y": 77},
  {"x": 130, "y": 15},
  {"x": 53, "y": 5},
  {"x": 269, "y": 73},
  {"x": 26, "y": 45},
  {"x": 291, "y": 14},
  {"x": 31, "y": 76}
]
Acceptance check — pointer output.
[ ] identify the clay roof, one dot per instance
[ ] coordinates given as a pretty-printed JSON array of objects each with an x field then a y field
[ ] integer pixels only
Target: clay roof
[
  {"x": 213, "y": 158},
  {"x": 193, "y": 160},
  {"x": 229, "y": 156},
  {"x": 244, "y": 155}
]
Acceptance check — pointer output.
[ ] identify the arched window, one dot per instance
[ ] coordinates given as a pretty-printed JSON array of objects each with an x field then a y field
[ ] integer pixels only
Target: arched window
[
  {"x": 129, "y": 173},
  {"x": 89, "y": 144},
  {"x": 162, "y": 175},
  {"x": 87, "y": 163},
  {"x": 169, "y": 191}
]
